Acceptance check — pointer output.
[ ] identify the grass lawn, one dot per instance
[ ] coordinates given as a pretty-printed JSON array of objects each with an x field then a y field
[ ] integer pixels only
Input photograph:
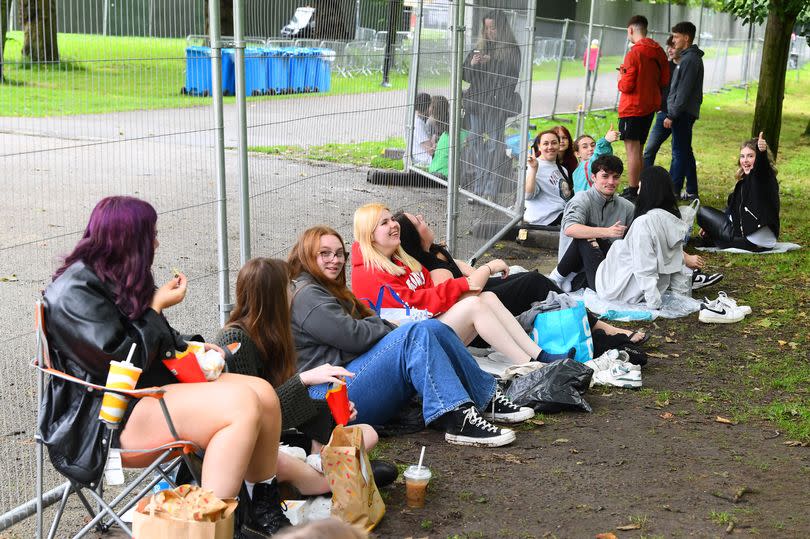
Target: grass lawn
[{"x": 775, "y": 372}]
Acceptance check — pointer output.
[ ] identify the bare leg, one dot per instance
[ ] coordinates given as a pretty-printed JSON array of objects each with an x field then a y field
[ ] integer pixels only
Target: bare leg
[
  {"x": 472, "y": 316},
  {"x": 510, "y": 324},
  {"x": 634, "y": 161},
  {"x": 304, "y": 477},
  {"x": 613, "y": 330},
  {"x": 238, "y": 429}
]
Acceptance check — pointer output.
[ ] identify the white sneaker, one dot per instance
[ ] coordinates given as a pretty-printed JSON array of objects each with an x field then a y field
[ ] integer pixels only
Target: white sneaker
[
  {"x": 723, "y": 299},
  {"x": 715, "y": 312},
  {"x": 617, "y": 376},
  {"x": 611, "y": 358}
]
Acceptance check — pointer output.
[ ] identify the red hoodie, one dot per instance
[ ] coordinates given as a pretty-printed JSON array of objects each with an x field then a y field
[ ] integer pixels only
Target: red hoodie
[
  {"x": 642, "y": 75},
  {"x": 415, "y": 288}
]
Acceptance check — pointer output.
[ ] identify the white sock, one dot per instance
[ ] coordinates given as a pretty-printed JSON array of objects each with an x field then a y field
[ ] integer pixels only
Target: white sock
[
  {"x": 249, "y": 486},
  {"x": 556, "y": 277},
  {"x": 568, "y": 279}
]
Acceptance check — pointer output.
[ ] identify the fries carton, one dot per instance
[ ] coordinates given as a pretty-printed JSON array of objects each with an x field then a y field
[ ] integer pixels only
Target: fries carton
[{"x": 187, "y": 512}]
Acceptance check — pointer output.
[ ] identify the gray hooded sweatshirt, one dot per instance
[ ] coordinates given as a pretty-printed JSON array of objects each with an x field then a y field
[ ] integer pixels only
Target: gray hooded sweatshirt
[
  {"x": 647, "y": 262},
  {"x": 591, "y": 208}
]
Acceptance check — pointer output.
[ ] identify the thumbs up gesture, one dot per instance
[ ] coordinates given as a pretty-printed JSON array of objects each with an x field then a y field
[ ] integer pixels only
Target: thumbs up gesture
[
  {"x": 612, "y": 135},
  {"x": 761, "y": 144}
]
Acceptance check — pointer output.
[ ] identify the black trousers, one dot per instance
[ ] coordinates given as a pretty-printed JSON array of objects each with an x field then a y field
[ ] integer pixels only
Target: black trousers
[
  {"x": 720, "y": 231},
  {"x": 583, "y": 255}
]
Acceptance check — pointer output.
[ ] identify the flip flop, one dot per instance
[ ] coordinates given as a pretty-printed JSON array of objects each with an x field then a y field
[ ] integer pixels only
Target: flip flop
[{"x": 640, "y": 341}]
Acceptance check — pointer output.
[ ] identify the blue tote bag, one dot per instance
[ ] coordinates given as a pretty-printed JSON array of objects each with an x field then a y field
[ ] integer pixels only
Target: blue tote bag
[{"x": 557, "y": 332}]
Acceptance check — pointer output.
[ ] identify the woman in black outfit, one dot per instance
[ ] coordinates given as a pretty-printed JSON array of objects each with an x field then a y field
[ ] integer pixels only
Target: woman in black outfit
[
  {"x": 516, "y": 291},
  {"x": 751, "y": 219}
]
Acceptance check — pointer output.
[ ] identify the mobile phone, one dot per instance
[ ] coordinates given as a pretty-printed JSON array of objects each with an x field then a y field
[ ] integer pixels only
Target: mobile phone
[{"x": 476, "y": 51}]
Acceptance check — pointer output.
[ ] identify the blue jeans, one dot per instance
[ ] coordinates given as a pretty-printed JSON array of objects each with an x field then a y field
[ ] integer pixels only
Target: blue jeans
[
  {"x": 658, "y": 135},
  {"x": 425, "y": 358},
  {"x": 683, "y": 159}
]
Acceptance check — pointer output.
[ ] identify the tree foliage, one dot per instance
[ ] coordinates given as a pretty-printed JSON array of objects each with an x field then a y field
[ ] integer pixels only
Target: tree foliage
[{"x": 781, "y": 17}]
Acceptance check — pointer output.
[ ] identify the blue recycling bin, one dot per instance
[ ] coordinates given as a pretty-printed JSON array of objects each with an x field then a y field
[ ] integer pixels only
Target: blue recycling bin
[
  {"x": 256, "y": 75},
  {"x": 311, "y": 60},
  {"x": 278, "y": 71},
  {"x": 198, "y": 71},
  {"x": 298, "y": 69},
  {"x": 228, "y": 72},
  {"x": 323, "y": 76}
]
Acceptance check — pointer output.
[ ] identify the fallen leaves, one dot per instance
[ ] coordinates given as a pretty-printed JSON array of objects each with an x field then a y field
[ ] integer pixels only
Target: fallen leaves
[
  {"x": 659, "y": 355},
  {"x": 9, "y": 278},
  {"x": 508, "y": 457},
  {"x": 725, "y": 421},
  {"x": 560, "y": 441},
  {"x": 607, "y": 535},
  {"x": 667, "y": 415},
  {"x": 628, "y": 527},
  {"x": 796, "y": 443}
]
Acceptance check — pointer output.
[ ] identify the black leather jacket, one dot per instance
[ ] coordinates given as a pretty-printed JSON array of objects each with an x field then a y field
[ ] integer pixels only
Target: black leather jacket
[
  {"x": 85, "y": 331},
  {"x": 754, "y": 203}
]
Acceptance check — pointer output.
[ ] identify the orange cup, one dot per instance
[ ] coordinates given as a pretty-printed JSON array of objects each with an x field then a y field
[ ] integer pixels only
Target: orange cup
[
  {"x": 121, "y": 375},
  {"x": 337, "y": 397}
]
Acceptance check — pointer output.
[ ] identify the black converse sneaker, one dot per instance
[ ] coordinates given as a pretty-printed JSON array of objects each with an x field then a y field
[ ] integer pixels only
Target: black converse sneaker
[
  {"x": 501, "y": 409},
  {"x": 465, "y": 427}
]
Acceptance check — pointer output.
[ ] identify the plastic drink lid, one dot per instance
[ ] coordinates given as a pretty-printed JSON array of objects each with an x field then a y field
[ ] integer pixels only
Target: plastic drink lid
[{"x": 414, "y": 472}]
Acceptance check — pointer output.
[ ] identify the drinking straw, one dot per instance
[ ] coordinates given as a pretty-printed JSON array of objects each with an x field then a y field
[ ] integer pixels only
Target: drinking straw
[
  {"x": 421, "y": 458},
  {"x": 131, "y": 351}
]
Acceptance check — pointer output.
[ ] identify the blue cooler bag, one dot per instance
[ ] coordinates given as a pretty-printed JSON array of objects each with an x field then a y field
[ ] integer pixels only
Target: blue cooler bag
[{"x": 557, "y": 332}]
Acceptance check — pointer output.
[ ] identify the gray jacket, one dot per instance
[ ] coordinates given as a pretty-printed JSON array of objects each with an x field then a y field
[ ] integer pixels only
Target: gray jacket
[
  {"x": 323, "y": 330},
  {"x": 591, "y": 208},
  {"x": 647, "y": 262},
  {"x": 686, "y": 90}
]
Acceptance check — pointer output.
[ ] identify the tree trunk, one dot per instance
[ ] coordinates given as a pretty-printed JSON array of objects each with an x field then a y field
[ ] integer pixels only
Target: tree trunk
[
  {"x": 771, "y": 92},
  {"x": 807, "y": 129},
  {"x": 39, "y": 27},
  {"x": 225, "y": 18}
]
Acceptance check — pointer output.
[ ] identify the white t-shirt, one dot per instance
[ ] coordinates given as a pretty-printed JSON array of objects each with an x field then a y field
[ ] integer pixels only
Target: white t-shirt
[
  {"x": 545, "y": 204},
  {"x": 420, "y": 135}
]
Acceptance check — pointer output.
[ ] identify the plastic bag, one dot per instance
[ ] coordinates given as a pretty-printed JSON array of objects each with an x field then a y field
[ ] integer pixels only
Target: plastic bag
[
  {"x": 672, "y": 306},
  {"x": 556, "y": 387}
]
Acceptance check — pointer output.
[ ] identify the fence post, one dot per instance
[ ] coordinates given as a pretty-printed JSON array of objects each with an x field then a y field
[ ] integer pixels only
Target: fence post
[
  {"x": 457, "y": 61},
  {"x": 219, "y": 130},
  {"x": 413, "y": 80},
  {"x": 241, "y": 107},
  {"x": 559, "y": 67},
  {"x": 526, "y": 109},
  {"x": 105, "y": 17}
]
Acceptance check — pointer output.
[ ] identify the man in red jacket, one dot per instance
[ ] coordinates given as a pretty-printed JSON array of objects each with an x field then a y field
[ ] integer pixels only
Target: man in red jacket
[{"x": 642, "y": 75}]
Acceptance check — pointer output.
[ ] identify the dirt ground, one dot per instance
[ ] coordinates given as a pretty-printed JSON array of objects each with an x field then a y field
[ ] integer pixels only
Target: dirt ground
[{"x": 655, "y": 462}]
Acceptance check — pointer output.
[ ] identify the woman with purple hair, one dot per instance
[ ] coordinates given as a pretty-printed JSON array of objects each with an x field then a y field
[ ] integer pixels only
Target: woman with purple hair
[{"x": 101, "y": 301}]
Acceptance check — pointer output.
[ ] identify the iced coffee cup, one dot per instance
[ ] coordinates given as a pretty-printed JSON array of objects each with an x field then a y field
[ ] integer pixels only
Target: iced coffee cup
[
  {"x": 122, "y": 375},
  {"x": 416, "y": 482}
]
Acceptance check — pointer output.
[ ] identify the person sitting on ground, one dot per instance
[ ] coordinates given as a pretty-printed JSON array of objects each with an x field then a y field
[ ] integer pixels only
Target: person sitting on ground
[
  {"x": 588, "y": 151},
  {"x": 650, "y": 259},
  {"x": 260, "y": 322},
  {"x": 546, "y": 182},
  {"x": 378, "y": 259},
  {"x": 390, "y": 364},
  {"x": 422, "y": 144},
  {"x": 439, "y": 127},
  {"x": 751, "y": 218},
  {"x": 102, "y": 301},
  {"x": 517, "y": 291},
  {"x": 565, "y": 156},
  {"x": 593, "y": 219}
]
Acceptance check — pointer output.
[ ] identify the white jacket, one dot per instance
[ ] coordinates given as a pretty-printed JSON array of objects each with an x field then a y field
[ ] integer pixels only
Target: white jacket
[{"x": 647, "y": 262}]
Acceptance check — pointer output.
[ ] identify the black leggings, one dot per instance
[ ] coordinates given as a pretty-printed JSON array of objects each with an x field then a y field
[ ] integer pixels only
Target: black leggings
[
  {"x": 583, "y": 255},
  {"x": 720, "y": 231}
]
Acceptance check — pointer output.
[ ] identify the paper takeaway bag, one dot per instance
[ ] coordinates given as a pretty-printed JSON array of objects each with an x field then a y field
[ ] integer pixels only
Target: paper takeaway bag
[
  {"x": 165, "y": 515},
  {"x": 355, "y": 498}
]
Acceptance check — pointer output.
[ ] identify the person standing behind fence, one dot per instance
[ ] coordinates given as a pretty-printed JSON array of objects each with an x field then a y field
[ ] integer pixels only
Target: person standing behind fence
[
  {"x": 492, "y": 69},
  {"x": 590, "y": 60},
  {"x": 642, "y": 75},
  {"x": 659, "y": 134},
  {"x": 683, "y": 108}
]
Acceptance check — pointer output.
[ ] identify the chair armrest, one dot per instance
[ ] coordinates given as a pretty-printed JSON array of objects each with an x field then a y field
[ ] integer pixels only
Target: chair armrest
[{"x": 154, "y": 392}]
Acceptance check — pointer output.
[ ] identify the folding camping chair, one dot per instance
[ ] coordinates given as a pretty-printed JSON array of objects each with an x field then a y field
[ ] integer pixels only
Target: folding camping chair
[{"x": 169, "y": 458}]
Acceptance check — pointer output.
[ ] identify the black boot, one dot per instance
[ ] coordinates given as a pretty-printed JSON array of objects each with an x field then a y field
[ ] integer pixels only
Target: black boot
[{"x": 266, "y": 516}]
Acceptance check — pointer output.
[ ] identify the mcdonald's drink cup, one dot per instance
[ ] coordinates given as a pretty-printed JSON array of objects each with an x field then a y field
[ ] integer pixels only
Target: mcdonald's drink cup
[
  {"x": 337, "y": 397},
  {"x": 121, "y": 376},
  {"x": 416, "y": 482}
]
